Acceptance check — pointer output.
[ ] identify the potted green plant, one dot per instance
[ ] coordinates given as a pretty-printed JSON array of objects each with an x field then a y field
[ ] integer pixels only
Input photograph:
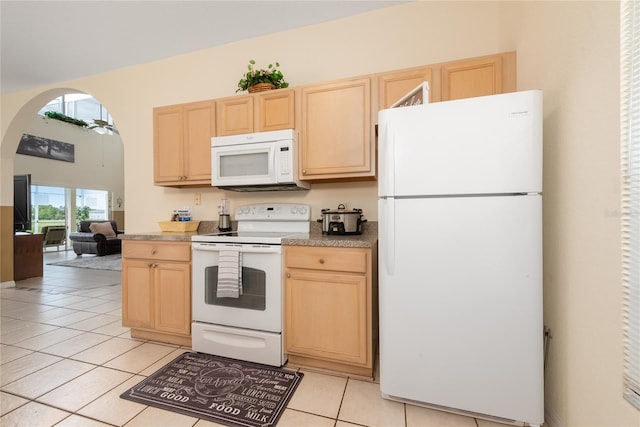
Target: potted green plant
[
  {"x": 64, "y": 118},
  {"x": 264, "y": 79}
]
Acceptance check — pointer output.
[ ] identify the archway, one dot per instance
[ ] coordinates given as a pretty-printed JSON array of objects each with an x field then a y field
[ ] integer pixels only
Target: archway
[{"x": 9, "y": 144}]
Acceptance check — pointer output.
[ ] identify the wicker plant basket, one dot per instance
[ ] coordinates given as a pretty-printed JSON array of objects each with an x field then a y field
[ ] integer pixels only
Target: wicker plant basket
[{"x": 261, "y": 87}]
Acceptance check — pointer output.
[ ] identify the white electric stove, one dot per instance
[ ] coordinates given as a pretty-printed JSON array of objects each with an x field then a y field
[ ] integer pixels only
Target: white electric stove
[{"x": 248, "y": 326}]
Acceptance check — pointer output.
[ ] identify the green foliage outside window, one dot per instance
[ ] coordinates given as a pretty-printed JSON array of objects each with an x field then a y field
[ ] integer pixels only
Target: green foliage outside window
[
  {"x": 82, "y": 213},
  {"x": 48, "y": 212}
]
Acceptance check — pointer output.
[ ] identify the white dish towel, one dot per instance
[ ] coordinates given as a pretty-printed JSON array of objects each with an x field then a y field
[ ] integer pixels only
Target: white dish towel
[{"x": 229, "y": 273}]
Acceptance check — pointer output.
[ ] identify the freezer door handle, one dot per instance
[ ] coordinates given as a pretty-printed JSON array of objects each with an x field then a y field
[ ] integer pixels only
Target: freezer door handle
[
  {"x": 388, "y": 234},
  {"x": 386, "y": 159}
]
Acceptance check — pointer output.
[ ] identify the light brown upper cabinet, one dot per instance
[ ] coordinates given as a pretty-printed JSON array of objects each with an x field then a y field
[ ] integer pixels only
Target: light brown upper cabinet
[
  {"x": 260, "y": 112},
  {"x": 466, "y": 78},
  {"x": 487, "y": 75},
  {"x": 393, "y": 86},
  {"x": 182, "y": 144},
  {"x": 336, "y": 138}
]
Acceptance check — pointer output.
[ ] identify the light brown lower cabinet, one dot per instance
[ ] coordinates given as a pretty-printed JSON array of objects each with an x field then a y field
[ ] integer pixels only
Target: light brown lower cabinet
[
  {"x": 156, "y": 290},
  {"x": 330, "y": 308}
]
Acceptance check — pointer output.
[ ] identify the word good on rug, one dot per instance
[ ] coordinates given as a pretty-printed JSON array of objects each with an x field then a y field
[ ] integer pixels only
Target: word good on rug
[{"x": 226, "y": 391}]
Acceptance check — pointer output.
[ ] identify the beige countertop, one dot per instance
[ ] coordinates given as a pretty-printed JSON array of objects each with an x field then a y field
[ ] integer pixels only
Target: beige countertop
[{"x": 367, "y": 239}]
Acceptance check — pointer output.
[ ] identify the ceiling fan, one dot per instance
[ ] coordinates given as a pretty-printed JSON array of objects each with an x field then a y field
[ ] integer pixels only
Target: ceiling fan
[{"x": 102, "y": 126}]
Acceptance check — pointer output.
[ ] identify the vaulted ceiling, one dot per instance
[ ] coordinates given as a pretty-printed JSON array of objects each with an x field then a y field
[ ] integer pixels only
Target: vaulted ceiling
[{"x": 44, "y": 42}]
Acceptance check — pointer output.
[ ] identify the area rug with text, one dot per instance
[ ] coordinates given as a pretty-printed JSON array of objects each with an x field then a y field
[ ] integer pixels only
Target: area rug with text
[
  {"x": 218, "y": 389},
  {"x": 106, "y": 262}
]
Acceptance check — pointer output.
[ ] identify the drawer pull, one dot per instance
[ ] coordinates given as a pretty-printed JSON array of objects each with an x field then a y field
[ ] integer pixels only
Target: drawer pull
[
  {"x": 154, "y": 251},
  {"x": 321, "y": 260},
  {"x": 288, "y": 275}
]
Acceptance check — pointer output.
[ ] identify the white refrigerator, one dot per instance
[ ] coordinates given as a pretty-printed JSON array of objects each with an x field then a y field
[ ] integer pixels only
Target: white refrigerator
[{"x": 460, "y": 259}]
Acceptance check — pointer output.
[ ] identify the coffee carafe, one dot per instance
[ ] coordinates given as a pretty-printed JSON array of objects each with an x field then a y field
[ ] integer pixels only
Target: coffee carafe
[{"x": 224, "y": 220}]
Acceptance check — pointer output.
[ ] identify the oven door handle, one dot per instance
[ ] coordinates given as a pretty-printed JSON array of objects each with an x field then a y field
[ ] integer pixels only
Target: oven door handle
[{"x": 247, "y": 248}]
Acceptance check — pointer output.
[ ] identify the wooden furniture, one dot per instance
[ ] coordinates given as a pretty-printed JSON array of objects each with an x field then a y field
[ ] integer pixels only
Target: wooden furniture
[
  {"x": 466, "y": 78},
  {"x": 331, "y": 308},
  {"x": 335, "y": 119},
  {"x": 259, "y": 112},
  {"x": 27, "y": 255},
  {"x": 156, "y": 290},
  {"x": 336, "y": 140},
  {"x": 392, "y": 86},
  {"x": 182, "y": 144},
  {"x": 487, "y": 75}
]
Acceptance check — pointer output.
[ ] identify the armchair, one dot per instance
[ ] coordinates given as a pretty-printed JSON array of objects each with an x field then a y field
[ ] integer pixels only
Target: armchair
[
  {"x": 54, "y": 235},
  {"x": 96, "y": 237}
]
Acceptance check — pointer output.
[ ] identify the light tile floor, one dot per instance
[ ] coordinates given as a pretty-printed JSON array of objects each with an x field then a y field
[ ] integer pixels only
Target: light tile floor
[{"x": 65, "y": 359}]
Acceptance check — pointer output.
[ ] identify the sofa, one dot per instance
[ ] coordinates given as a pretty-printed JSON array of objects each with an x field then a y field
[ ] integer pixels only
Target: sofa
[{"x": 96, "y": 237}]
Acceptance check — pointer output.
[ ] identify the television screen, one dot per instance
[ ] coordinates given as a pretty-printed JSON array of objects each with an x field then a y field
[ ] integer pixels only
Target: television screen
[{"x": 22, "y": 202}]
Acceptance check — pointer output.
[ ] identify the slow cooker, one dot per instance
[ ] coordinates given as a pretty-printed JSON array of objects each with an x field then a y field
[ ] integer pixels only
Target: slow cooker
[{"x": 342, "y": 221}]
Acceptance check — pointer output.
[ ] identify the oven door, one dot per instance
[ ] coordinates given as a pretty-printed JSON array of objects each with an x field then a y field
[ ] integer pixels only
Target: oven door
[{"x": 260, "y": 305}]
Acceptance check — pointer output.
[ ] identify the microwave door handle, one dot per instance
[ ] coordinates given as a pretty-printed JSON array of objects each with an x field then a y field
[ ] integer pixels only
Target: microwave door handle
[{"x": 274, "y": 172}]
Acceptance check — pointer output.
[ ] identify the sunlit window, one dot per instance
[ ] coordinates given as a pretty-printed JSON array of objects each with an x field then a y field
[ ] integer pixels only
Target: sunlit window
[
  {"x": 50, "y": 205},
  {"x": 79, "y": 106}
]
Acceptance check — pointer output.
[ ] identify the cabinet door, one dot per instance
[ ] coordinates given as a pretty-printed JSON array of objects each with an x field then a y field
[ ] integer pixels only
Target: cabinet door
[
  {"x": 275, "y": 110},
  {"x": 336, "y": 131},
  {"x": 487, "y": 75},
  {"x": 326, "y": 316},
  {"x": 172, "y": 300},
  {"x": 235, "y": 115},
  {"x": 168, "y": 161},
  {"x": 393, "y": 86},
  {"x": 137, "y": 293},
  {"x": 199, "y": 127}
]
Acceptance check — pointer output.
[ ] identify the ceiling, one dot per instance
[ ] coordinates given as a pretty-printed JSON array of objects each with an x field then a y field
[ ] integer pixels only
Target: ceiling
[{"x": 44, "y": 42}]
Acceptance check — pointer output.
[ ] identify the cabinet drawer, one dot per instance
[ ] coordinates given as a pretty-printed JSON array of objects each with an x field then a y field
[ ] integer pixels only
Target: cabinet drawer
[
  {"x": 332, "y": 259},
  {"x": 157, "y": 250}
]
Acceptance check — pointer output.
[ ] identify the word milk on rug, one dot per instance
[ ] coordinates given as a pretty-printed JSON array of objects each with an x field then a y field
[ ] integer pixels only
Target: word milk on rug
[{"x": 218, "y": 389}]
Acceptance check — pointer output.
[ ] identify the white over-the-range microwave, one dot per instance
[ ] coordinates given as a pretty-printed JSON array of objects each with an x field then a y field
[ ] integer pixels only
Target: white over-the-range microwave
[{"x": 261, "y": 161}]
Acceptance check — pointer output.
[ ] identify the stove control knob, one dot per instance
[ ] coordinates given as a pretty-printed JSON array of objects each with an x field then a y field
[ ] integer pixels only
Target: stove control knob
[
  {"x": 294, "y": 210},
  {"x": 302, "y": 210}
]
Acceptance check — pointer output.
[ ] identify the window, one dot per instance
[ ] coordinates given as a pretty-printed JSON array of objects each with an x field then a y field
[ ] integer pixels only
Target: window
[
  {"x": 630, "y": 204},
  {"x": 93, "y": 203},
  {"x": 79, "y": 106},
  {"x": 51, "y": 206}
]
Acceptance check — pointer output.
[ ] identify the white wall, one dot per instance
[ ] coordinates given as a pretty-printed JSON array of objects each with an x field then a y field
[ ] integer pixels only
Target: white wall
[
  {"x": 567, "y": 49},
  {"x": 98, "y": 165},
  {"x": 571, "y": 50}
]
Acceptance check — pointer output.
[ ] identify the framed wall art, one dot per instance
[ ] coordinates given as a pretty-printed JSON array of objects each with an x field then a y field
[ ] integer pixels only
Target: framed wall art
[{"x": 38, "y": 146}]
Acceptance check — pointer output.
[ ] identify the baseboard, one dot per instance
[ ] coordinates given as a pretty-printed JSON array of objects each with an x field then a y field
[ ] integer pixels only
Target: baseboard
[
  {"x": 8, "y": 284},
  {"x": 551, "y": 418}
]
